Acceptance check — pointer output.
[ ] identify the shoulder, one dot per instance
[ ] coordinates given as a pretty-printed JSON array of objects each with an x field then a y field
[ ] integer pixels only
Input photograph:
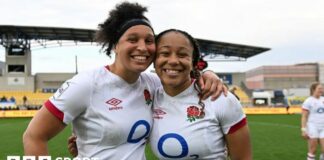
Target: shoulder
[
  {"x": 225, "y": 100},
  {"x": 86, "y": 79},
  {"x": 148, "y": 76},
  {"x": 308, "y": 100},
  {"x": 151, "y": 79},
  {"x": 226, "y": 106}
]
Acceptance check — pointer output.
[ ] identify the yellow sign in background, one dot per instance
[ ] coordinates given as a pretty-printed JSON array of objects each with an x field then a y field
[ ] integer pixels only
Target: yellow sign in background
[
  {"x": 23, "y": 113},
  {"x": 271, "y": 110}
]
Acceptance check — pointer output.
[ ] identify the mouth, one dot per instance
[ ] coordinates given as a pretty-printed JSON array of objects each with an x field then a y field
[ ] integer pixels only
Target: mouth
[
  {"x": 171, "y": 72},
  {"x": 140, "y": 58}
]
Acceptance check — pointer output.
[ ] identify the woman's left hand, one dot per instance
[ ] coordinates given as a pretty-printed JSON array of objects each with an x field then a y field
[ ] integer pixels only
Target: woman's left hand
[{"x": 211, "y": 85}]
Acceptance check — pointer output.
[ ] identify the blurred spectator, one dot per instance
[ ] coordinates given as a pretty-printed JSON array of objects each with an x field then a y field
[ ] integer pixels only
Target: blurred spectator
[
  {"x": 12, "y": 99},
  {"x": 286, "y": 104},
  {"x": 24, "y": 100},
  {"x": 3, "y": 99}
]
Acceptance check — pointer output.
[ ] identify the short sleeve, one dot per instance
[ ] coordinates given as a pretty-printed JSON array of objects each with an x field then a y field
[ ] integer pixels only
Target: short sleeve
[
  {"x": 71, "y": 99},
  {"x": 307, "y": 105},
  {"x": 230, "y": 114}
]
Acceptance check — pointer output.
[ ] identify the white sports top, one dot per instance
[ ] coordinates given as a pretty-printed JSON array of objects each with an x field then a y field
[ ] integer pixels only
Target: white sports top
[
  {"x": 111, "y": 118},
  {"x": 316, "y": 110},
  {"x": 179, "y": 132}
]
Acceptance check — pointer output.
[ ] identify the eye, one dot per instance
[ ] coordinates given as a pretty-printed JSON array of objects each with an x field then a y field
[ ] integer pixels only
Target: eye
[
  {"x": 149, "y": 41},
  {"x": 163, "y": 53},
  {"x": 132, "y": 39},
  {"x": 183, "y": 54}
]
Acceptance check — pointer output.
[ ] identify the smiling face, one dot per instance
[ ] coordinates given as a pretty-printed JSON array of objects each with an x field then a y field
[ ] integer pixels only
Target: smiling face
[
  {"x": 135, "y": 49},
  {"x": 174, "y": 62},
  {"x": 318, "y": 91}
]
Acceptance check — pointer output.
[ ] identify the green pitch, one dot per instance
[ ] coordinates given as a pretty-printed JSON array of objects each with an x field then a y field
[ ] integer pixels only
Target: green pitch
[{"x": 274, "y": 137}]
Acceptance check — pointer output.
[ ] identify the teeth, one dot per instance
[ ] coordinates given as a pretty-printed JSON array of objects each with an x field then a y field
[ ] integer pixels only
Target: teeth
[
  {"x": 141, "y": 58},
  {"x": 171, "y": 72}
]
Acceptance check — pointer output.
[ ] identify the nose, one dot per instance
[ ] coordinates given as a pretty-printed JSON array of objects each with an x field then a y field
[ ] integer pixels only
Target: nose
[
  {"x": 142, "y": 46},
  {"x": 173, "y": 59}
]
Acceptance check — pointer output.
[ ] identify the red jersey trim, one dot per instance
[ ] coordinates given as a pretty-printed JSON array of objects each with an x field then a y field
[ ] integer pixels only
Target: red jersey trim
[
  {"x": 304, "y": 109},
  {"x": 56, "y": 112},
  {"x": 237, "y": 126}
]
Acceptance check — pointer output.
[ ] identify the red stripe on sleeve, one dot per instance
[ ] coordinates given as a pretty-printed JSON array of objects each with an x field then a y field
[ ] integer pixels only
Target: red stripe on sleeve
[
  {"x": 304, "y": 109},
  {"x": 237, "y": 126},
  {"x": 56, "y": 112}
]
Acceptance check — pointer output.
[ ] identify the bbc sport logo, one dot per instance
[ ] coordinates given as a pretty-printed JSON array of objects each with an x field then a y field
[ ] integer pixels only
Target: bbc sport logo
[{"x": 46, "y": 158}]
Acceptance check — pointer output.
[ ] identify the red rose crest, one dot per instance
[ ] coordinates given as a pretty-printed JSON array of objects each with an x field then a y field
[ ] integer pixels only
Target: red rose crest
[
  {"x": 193, "y": 113},
  {"x": 147, "y": 97}
]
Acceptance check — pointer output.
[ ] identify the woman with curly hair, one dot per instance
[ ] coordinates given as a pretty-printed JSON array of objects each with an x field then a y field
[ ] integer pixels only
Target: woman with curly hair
[{"x": 109, "y": 107}]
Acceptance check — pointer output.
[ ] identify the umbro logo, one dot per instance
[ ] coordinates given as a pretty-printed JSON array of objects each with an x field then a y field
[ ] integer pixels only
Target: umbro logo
[
  {"x": 114, "y": 102},
  {"x": 158, "y": 113}
]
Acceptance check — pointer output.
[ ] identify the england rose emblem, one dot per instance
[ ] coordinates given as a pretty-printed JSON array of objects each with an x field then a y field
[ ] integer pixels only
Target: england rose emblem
[{"x": 193, "y": 113}]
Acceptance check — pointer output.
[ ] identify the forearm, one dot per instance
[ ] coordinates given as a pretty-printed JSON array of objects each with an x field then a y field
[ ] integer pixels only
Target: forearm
[
  {"x": 40, "y": 130},
  {"x": 304, "y": 119},
  {"x": 239, "y": 144},
  {"x": 34, "y": 146},
  {"x": 244, "y": 154}
]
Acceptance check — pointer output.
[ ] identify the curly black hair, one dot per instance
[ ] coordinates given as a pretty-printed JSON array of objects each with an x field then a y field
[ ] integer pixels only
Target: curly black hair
[
  {"x": 107, "y": 35},
  {"x": 196, "y": 57}
]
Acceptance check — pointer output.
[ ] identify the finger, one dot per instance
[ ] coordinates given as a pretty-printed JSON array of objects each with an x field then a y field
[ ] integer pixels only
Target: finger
[
  {"x": 205, "y": 91},
  {"x": 225, "y": 90},
  {"x": 72, "y": 139},
  {"x": 219, "y": 90},
  {"x": 73, "y": 150},
  {"x": 201, "y": 82},
  {"x": 215, "y": 91}
]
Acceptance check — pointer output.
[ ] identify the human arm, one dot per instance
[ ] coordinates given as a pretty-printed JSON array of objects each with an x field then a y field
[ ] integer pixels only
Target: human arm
[
  {"x": 234, "y": 126},
  {"x": 40, "y": 130},
  {"x": 239, "y": 144},
  {"x": 211, "y": 85},
  {"x": 304, "y": 118},
  {"x": 67, "y": 103}
]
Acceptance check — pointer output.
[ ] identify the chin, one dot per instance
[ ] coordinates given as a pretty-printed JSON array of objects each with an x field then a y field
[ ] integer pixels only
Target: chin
[
  {"x": 139, "y": 68},
  {"x": 172, "y": 83}
]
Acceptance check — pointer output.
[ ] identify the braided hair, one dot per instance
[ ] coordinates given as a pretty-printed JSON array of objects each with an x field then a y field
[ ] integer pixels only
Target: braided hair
[
  {"x": 119, "y": 20},
  {"x": 197, "y": 62}
]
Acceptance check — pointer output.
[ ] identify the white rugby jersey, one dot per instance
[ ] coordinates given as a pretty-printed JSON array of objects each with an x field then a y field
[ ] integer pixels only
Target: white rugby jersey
[
  {"x": 316, "y": 110},
  {"x": 111, "y": 118},
  {"x": 180, "y": 133}
]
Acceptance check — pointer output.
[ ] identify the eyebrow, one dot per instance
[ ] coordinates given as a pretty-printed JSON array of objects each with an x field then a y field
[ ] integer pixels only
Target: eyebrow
[{"x": 180, "y": 48}]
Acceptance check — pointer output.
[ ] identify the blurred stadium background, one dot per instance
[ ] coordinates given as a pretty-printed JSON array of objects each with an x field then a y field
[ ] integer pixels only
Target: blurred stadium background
[{"x": 271, "y": 95}]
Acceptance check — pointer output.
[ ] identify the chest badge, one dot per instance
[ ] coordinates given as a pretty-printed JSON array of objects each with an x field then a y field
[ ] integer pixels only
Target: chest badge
[
  {"x": 193, "y": 113},
  {"x": 147, "y": 97}
]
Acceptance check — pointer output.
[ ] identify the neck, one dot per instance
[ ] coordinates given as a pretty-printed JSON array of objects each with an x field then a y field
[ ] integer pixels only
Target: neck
[
  {"x": 129, "y": 77},
  {"x": 317, "y": 96},
  {"x": 175, "y": 90}
]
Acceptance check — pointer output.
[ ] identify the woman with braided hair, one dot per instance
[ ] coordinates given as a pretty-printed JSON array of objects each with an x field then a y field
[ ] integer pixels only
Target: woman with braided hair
[
  {"x": 110, "y": 106},
  {"x": 185, "y": 125}
]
